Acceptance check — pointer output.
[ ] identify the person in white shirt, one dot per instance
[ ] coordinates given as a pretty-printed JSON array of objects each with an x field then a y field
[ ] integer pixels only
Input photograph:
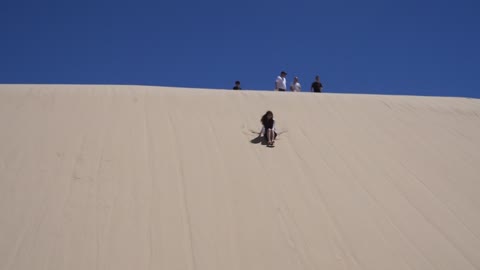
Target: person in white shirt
[
  {"x": 281, "y": 82},
  {"x": 296, "y": 87}
]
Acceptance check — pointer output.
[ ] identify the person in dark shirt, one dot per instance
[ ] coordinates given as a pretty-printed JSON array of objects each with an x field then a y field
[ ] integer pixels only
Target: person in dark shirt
[
  {"x": 237, "y": 86},
  {"x": 316, "y": 85},
  {"x": 268, "y": 128}
]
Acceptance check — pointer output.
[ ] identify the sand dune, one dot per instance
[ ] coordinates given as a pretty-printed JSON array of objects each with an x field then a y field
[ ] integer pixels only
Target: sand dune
[{"x": 130, "y": 177}]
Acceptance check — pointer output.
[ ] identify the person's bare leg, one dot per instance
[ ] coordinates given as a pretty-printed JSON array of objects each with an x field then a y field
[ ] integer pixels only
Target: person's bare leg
[{"x": 269, "y": 136}]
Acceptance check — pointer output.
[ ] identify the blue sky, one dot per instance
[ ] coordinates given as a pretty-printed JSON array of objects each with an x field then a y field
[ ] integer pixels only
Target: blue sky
[{"x": 383, "y": 47}]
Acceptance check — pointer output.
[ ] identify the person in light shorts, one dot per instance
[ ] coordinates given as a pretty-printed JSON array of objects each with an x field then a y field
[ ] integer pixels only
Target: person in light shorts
[{"x": 296, "y": 87}]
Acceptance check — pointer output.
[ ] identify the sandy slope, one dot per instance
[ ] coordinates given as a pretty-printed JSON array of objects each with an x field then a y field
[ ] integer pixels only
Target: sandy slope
[{"x": 129, "y": 177}]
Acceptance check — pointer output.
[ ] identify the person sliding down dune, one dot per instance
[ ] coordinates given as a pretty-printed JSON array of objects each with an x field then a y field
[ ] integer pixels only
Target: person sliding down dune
[{"x": 268, "y": 128}]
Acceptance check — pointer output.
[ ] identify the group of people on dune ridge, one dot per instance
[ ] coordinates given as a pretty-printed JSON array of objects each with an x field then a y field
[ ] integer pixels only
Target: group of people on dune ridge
[{"x": 281, "y": 84}]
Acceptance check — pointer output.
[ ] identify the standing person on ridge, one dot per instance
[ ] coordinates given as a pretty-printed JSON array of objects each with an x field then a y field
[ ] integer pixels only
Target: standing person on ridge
[
  {"x": 296, "y": 87},
  {"x": 281, "y": 82},
  {"x": 317, "y": 86},
  {"x": 268, "y": 127}
]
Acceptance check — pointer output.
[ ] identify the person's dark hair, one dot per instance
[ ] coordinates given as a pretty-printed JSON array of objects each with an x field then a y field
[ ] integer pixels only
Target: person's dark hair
[
  {"x": 237, "y": 82},
  {"x": 264, "y": 117}
]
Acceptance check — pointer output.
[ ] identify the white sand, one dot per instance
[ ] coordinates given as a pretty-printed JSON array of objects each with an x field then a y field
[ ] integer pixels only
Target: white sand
[{"x": 130, "y": 177}]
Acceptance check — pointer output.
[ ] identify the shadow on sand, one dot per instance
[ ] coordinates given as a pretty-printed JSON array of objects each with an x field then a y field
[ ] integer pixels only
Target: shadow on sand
[{"x": 258, "y": 140}]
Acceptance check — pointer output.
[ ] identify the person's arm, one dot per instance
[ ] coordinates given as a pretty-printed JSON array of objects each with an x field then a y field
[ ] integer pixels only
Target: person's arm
[
  {"x": 292, "y": 88},
  {"x": 262, "y": 132},
  {"x": 311, "y": 88}
]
